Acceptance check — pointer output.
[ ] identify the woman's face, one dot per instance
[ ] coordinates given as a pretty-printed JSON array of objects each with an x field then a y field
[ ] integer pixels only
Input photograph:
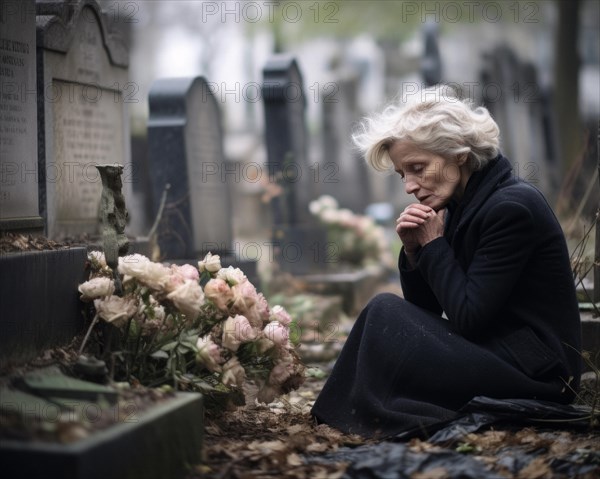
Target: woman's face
[{"x": 431, "y": 178}]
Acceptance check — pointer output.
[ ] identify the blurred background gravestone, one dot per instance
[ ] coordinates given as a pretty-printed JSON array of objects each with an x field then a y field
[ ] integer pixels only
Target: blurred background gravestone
[
  {"x": 514, "y": 97},
  {"x": 342, "y": 172},
  {"x": 83, "y": 92},
  {"x": 19, "y": 210},
  {"x": 185, "y": 147},
  {"x": 299, "y": 245}
]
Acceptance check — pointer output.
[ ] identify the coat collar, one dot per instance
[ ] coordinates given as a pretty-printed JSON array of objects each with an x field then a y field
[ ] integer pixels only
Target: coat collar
[{"x": 480, "y": 186}]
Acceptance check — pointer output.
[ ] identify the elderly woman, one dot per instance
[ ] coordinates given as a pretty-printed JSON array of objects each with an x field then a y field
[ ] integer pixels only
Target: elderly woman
[{"x": 489, "y": 304}]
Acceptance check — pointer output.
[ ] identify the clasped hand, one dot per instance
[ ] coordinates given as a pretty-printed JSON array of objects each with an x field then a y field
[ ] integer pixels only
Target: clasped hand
[{"x": 418, "y": 225}]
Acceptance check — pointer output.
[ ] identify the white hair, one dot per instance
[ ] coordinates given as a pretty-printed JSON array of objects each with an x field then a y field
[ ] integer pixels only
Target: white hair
[{"x": 433, "y": 119}]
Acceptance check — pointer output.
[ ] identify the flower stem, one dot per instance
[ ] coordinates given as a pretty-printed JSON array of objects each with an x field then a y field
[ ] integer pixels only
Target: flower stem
[{"x": 87, "y": 334}]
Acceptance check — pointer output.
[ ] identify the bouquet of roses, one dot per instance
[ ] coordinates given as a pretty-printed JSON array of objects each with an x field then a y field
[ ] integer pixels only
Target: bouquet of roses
[
  {"x": 172, "y": 330},
  {"x": 358, "y": 239}
]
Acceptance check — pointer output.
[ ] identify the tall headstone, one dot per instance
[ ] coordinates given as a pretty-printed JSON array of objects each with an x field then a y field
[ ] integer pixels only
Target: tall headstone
[
  {"x": 83, "y": 93},
  {"x": 287, "y": 138},
  {"x": 300, "y": 246},
  {"x": 342, "y": 173},
  {"x": 185, "y": 145},
  {"x": 512, "y": 94},
  {"x": 431, "y": 63},
  {"x": 19, "y": 208}
]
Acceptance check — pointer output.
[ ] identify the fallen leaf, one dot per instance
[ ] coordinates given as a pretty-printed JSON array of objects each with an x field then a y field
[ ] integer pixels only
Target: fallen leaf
[
  {"x": 294, "y": 459},
  {"x": 536, "y": 469},
  {"x": 435, "y": 473}
]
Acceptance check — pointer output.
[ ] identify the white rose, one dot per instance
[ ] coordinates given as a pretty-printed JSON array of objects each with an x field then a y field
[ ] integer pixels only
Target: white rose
[
  {"x": 96, "y": 288},
  {"x": 232, "y": 275},
  {"x": 97, "y": 259},
  {"x": 154, "y": 275},
  {"x": 188, "y": 299},
  {"x": 278, "y": 313},
  {"x": 115, "y": 310},
  {"x": 210, "y": 263},
  {"x": 328, "y": 202}
]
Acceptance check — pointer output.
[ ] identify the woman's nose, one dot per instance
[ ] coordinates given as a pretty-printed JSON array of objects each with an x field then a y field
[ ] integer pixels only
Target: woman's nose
[{"x": 411, "y": 187}]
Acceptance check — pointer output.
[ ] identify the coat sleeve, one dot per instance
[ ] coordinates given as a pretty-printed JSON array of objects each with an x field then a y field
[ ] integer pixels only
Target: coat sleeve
[
  {"x": 415, "y": 288},
  {"x": 473, "y": 298}
]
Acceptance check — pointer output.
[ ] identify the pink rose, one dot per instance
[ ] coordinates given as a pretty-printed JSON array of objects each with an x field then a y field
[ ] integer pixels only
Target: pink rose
[
  {"x": 181, "y": 274},
  {"x": 233, "y": 373},
  {"x": 209, "y": 354},
  {"x": 237, "y": 330},
  {"x": 187, "y": 271},
  {"x": 276, "y": 332},
  {"x": 278, "y": 313},
  {"x": 244, "y": 296},
  {"x": 219, "y": 293},
  {"x": 280, "y": 373}
]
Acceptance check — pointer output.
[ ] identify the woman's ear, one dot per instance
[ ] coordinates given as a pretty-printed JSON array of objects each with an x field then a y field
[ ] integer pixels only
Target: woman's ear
[{"x": 462, "y": 159}]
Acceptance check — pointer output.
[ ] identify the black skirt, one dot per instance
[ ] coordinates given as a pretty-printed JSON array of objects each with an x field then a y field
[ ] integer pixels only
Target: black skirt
[{"x": 403, "y": 368}]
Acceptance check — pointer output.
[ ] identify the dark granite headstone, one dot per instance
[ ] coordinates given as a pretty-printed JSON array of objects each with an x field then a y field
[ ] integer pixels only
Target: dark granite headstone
[
  {"x": 185, "y": 146},
  {"x": 18, "y": 119},
  {"x": 300, "y": 245},
  {"x": 431, "y": 63},
  {"x": 287, "y": 139},
  {"x": 83, "y": 93}
]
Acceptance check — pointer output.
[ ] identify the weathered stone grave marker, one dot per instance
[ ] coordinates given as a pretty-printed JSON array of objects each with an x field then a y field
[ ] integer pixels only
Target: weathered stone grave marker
[
  {"x": 19, "y": 210},
  {"x": 83, "y": 92}
]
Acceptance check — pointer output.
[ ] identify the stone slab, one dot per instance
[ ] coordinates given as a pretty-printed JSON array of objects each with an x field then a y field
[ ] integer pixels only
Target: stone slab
[
  {"x": 51, "y": 382},
  {"x": 39, "y": 304},
  {"x": 590, "y": 338},
  {"x": 163, "y": 443},
  {"x": 356, "y": 287}
]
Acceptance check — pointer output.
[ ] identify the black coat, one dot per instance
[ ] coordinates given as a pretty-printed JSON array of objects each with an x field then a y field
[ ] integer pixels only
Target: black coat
[{"x": 501, "y": 274}]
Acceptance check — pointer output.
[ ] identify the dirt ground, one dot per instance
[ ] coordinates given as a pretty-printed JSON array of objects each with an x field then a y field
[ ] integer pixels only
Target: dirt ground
[{"x": 282, "y": 440}]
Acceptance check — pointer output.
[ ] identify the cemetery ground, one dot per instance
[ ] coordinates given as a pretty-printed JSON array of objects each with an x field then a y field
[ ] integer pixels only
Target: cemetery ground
[{"x": 282, "y": 440}]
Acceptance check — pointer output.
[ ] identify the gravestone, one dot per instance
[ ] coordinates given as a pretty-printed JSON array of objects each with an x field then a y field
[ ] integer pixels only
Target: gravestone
[
  {"x": 185, "y": 145},
  {"x": 83, "y": 93},
  {"x": 19, "y": 210},
  {"x": 343, "y": 174},
  {"x": 431, "y": 63},
  {"x": 512, "y": 95},
  {"x": 300, "y": 246}
]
